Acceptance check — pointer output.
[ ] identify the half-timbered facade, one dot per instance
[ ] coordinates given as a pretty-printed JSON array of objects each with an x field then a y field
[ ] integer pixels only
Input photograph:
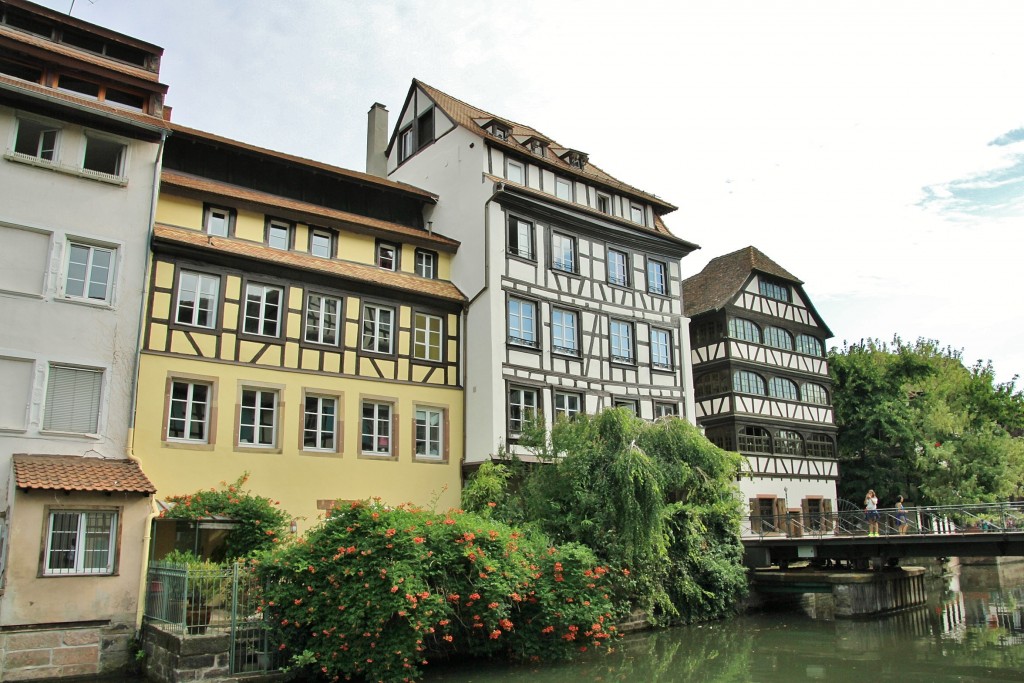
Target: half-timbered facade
[
  {"x": 574, "y": 279},
  {"x": 761, "y": 382},
  {"x": 301, "y": 326},
  {"x": 81, "y": 128}
]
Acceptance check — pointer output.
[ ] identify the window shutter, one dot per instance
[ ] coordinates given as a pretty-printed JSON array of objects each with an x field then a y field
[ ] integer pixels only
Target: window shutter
[
  {"x": 16, "y": 379},
  {"x": 780, "y": 513},
  {"x": 826, "y": 517},
  {"x": 73, "y": 400}
]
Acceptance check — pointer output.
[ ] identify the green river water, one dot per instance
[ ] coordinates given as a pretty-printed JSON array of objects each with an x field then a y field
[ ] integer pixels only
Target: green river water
[{"x": 971, "y": 630}]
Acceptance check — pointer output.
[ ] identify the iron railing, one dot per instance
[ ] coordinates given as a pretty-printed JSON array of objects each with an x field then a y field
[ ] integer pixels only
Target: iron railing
[
  {"x": 195, "y": 600},
  {"x": 946, "y": 519}
]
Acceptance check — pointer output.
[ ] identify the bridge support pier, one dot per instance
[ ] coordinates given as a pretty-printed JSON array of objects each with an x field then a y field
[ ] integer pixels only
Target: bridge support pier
[{"x": 844, "y": 594}]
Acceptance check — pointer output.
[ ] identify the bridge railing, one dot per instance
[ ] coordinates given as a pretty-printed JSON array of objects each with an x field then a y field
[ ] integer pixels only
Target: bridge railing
[{"x": 946, "y": 519}]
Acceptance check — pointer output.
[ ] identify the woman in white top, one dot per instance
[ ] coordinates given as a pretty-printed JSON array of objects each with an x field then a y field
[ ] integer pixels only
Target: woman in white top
[{"x": 871, "y": 512}]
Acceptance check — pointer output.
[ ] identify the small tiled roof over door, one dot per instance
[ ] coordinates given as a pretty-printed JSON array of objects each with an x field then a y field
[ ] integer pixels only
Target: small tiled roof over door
[{"x": 79, "y": 473}]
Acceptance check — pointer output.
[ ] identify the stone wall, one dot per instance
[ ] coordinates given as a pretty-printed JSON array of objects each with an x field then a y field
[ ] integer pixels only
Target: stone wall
[
  {"x": 42, "y": 654},
  {"x": 173, "y": 657}
]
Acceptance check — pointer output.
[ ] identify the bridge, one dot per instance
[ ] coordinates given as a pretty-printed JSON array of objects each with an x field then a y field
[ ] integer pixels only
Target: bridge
[{"x": 987, "y": 530}]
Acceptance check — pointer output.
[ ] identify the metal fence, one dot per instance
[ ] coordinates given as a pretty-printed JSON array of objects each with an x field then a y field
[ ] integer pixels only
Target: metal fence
[
  {"x": 195, "y": 600},
  {"x": 947, "y": 519}
]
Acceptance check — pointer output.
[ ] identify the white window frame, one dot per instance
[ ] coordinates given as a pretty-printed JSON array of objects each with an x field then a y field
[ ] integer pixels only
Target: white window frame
[
  {"x": 314, "y": 235},
  {"x": 657, "y": 277},
  {"x": 637, "y": 214},
  {"x": 562, "y": 404},
  {"x": 316, "y": 331},
  {"x": 381, "y": 432},
  {"x": 375, "y": 330},
  {"x": 202, "y": 287},
  {"x": 522, "y": 172},
  {"x": 563, "y": 189},
  {"x": 527, "y": 409},
  {"x": 259, "y": 411},
  {"x": 406, "y": 143},
  {"x": 219, "y": 213},
  {"x": 662, "y": 409},
  {"x": 428, "y": 347},
  {"x": 275, "y": 228},
  {"x": 69, "y": 377},
  {"x": 45, "y": 152},
  {"x": 560, "y": 244},
  {"x": 607, "y": 200},
  {"x": 320, "y": 423},
  {"x": 520, "y": 231},
  {"x": 122, "y": 158},
  {"x": 618, "y": 271},
  {"x": 384, "y": 260},
  {"x": 621, "y": 337},
  {"x": 80, "y": 543},
  {"x": 188, "y": 416},
  {"x": 427, "y": 435},
  {"x": 256, "y": 293},
  {"x": 661, "y": 349},
  {"x": 564, "y": 322},
  {"x": 90, "y": 272},
  {"x": 426, "y": 264},
  {"x": 522, "y": 323}
]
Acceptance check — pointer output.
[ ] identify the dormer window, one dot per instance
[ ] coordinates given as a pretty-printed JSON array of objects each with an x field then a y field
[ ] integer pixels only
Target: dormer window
[
  {"x": 537, "y": 146},
  {"x": 773, "y": 290},
  {"x": 499, "y": 130},
  {"x": 576, "y": 159}
]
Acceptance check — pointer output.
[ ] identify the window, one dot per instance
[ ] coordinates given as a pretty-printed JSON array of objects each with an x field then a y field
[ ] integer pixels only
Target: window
[
  {"x": 537, "y": 146},
  {"x": 636, "y": 213},
  {"x": 427, "y": 335},
  {"x": 378, "y": 326},
  {"x": 77, "y": 85},
  {"x": 618, "y": 268},
  {"x": 661, "y": 349},
  {"x": 279, "y": 235},
  {"x": 809, "y": 345},
  {"x": 657, "y": 277},
  {"x": 217, "y": 221},
  {"x": 520, "y": 238},
  {"x": 564, "y": 332},
  {"x": 197, "y": 299},
  {"x": 425, "y": 128},
  {"x": 37, "y": 140},
  {"x": 188, "y": 415},
  {"x": 721, "y": 437},
  {"x": 665, "y": 410},
  {"x": 263, "y": 310},
  {"x": 516, "y": 172},
  {"x": 405, "y": 144},
  {"x": 90, "y": 272},
  {"x": 429, "y": 432},
  {"x": 104, "y": 156},
  {"x": 73, "y": 400},
  {"x": 320, "y": 243},
  {"x": 426, "y": 264},
  {"x": 820, "y": 446},
  {"x": 604, "y": 203},
  {"x": 755, "y": 440},
  {"x": 563, "y": 189},
  {"x": 567, "y": 406},
  {"x": 626, "y": 403},
  {"x": 746, "y": 382},
  {"x": 319, "y": 425},
  {"x": 744, "y": 330},
  {"x": 778, "y": 338},
  {"x": 80, "y": 542},
  {"x": 499, "y": 130},
  {"x": 789, "y": 443},
  {"x": 814, "y": 393},
  {"x": 711, "y": 383},
  {"x": 376, "y": 432},
  {"x": 387, "y": 256},
  {"x": 563, "y": 252},
  {"x": 323, "y": 319},
  {"x": 706, "y": 333},
  {"x": 522, "y": 408},
  {"x": 522, "y": 323},
  {"x": 622, "y": 341},
  {"x": 257, "y": 422},
  {"x": 780, "y": 387},
  {"x": 773, "y": 290}
]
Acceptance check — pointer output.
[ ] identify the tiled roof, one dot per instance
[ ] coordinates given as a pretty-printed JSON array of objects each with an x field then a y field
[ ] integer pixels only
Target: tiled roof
[
  {"x": 79, "y": 473},
  {"x": 11, "y": 83},
  {"x": 360, "y": 272},
  {"x": 80, "y": 55},
  {"x": 337, "y": 170},
  {"x": 466, "y": 115},
  {"x": 723, "y": 276},
  {"x": 660, "y": 229},
  {"x": 191, "y": 182}
]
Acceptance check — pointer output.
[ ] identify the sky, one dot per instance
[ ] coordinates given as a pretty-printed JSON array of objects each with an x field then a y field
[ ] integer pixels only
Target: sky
[{"x": 875, "y": 149}]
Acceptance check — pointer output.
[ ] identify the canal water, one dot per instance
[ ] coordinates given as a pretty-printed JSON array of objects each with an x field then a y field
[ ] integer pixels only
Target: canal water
[{"x": 971, "y": 630}]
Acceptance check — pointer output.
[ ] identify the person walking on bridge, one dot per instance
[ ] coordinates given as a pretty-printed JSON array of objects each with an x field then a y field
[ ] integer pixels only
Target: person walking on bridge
[
  {"x": 901, "y": 516},
  {"x": 871, "y": 512}
]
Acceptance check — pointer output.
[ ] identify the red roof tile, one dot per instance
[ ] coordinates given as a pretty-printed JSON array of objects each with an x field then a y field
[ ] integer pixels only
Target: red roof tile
[{"x": 79, "y": 473}]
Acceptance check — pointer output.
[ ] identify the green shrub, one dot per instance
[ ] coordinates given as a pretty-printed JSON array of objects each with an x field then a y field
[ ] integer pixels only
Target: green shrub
[{"x": 375, "y": 592}]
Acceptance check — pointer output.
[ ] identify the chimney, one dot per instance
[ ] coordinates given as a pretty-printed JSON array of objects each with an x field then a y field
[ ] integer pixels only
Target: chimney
[{"x": 377, "y": 140}]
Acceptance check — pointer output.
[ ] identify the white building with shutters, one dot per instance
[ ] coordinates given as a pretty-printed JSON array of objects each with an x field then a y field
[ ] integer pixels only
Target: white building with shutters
[
  {"x": 573, "y": 278},
  {"x": 81, "y": 125}
]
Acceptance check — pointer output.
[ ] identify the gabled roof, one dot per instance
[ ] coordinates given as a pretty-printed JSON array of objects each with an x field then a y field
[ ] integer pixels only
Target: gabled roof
[
  {"x": 79, "y": 473},
  {"x": 724, "y": 276},
  {"x": 469, "y": 117}
]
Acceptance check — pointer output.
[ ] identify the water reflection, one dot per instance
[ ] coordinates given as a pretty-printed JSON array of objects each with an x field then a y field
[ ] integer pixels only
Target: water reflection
[{"x": 972, "y": 629}]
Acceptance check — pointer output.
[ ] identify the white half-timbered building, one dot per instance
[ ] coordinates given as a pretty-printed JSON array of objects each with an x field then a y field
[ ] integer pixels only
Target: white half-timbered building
[
  {"x": 573, "y": 278},
  {"x": 761, "y": 383}
]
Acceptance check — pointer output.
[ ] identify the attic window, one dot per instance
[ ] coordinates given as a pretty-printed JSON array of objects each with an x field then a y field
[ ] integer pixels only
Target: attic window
[
  {"x": 537, "y": 146},
  {"x": 499, "y": 130},
  {"x": 773, "y": 290},
  {"x": 576, "y": 159}
]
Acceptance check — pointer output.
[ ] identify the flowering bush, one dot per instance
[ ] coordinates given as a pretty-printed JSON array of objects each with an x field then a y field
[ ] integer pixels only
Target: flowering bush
[
  {"x": 259, "y": 520},
  {"x": 375, "y": 592}
]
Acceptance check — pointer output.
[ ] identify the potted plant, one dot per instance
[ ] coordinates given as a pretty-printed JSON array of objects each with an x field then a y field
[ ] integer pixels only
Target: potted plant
[{"x": 202, "y": 589}]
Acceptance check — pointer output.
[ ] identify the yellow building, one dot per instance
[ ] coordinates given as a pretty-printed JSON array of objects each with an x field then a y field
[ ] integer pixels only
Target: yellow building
[{"x": 301, "y": 326}]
